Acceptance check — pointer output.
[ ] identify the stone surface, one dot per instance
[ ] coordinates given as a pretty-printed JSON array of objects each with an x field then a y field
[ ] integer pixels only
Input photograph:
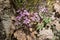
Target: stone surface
[
  {"x": 46, "y": 34},
  {"x": 5, "y": 13},
  {"x": 20, "y": 35},
  {"x": 57, "y": 6},
  {"x": 2, "y": 31}
]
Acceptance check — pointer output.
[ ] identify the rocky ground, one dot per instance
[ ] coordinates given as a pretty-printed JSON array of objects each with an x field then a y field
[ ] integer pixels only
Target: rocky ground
[{"x": 8, "y": 32}]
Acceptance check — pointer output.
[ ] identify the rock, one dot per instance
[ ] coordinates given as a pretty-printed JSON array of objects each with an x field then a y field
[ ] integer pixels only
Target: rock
[
  {"x": 57, "y": 24},
  {"x": 5, "y": 13},
  {"x": 46, "y": 34},
  {"x": 20, "y": 35},
  {"x": 6, "y": 25},
  {"x": 2, "y": 31},
  {"x": 29, "y": 37},
  {"x": 53, "y": 18},
  {"x": 57, "y": 6}
]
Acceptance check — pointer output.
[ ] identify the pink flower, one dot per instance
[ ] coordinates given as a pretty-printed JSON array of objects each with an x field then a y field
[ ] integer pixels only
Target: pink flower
[
  {"x": 26, "y": 12},
  {"x": 19, "y": 18},
  {"x": 26, "y": 21},
  {"x": 18, "y": 11}
]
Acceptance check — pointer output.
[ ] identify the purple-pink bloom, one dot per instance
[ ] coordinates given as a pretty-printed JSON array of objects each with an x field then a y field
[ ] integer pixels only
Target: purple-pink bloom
[
  {"x": 22, "y": 15},
  {"x": 26, "y": 12},
  {"x": 19, "y": 18},
  {"x": 26, "y": 21},
  {"x": 29, "y": 25},
  {"x": 43, "y": 9},
  {"x": 33, "y": 18},
  {"x": 18, "y": 11},
  {"x": 25, "y": 17},
  {"x": 36, "y": 15},
  {"x": 38, "y": 19}
]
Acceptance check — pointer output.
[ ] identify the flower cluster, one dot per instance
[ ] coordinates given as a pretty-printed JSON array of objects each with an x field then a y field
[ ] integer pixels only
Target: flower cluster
[
  {"x": 43, "y": 9},
  {"x": 26, "y": 18}
]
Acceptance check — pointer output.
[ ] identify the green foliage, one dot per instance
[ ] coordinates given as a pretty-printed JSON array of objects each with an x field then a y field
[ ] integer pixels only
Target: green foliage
[
  {"x": 27, "y": 4},
  {"x": 40, "y": 26},
  {"x": 45, "y": 21}
]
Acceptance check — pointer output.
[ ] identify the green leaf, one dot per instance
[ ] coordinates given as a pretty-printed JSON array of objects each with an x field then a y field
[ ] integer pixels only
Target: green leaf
[
  {"x": 40, "y": 26},
  {"x": 27, "y": 4},
  {"x": 47, "y": 20}
]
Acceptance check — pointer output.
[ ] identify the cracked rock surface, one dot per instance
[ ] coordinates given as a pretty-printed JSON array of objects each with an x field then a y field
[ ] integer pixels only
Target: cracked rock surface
[{"x": 5, "y": 14}]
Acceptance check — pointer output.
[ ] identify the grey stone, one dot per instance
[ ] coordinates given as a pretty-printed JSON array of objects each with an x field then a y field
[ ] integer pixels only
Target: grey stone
[{"x": 46, "y": 33}]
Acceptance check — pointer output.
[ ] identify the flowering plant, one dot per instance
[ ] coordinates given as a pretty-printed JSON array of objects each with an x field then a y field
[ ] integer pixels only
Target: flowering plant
[
  {"x": 25, "y": 18},
  {"x": 33, "y": 19}
]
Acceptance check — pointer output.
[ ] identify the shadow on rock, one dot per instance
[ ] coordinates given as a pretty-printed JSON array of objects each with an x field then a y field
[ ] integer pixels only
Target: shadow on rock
[{"x": 2, "y": 31}]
